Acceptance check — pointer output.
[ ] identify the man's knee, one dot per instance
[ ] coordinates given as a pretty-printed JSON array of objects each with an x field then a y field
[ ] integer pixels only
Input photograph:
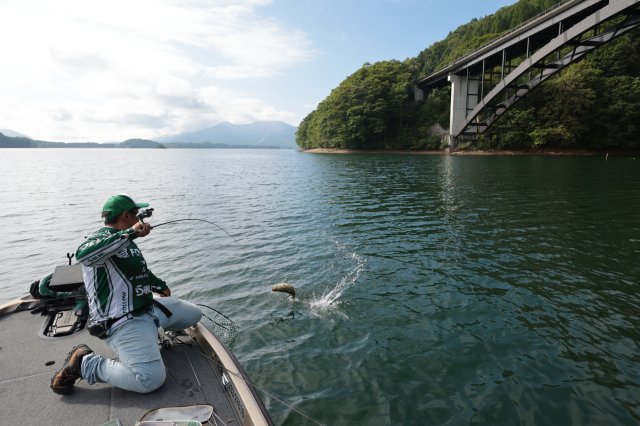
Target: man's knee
[
  {"x": 184, "y": 314},
  {"x": 195, "y": 314},
  {"x": 150, "y": 376},
  {"x": 189, "y": 313}
]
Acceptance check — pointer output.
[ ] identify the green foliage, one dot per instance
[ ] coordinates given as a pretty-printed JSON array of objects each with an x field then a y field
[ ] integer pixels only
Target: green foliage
[
  {"x": 436, "y": 108},
  {"x": 619, "y": 115},
  {"x": 374, "y": 108},
  {"x": 592, "y": 104},
  {"x": 14, "y": 142},
  {"x": 138, "y": 143},
  {"x": 478, "y": 32},
  {"x": 515, "y": 128},
  {"x": 365, "y": 110}
]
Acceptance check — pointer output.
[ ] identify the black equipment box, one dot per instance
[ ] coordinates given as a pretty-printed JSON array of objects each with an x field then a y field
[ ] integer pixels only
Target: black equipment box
[
  {"x": 67, "y": 322},
  {"x": 66, "y": 278}
]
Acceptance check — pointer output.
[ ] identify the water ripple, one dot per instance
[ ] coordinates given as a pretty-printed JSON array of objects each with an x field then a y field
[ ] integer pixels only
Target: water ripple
[{"x": 432, "y": 290}]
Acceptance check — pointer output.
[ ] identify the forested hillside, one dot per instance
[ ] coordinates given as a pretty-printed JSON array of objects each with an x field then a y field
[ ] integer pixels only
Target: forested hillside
[
  {"x": 478, "y": 32},
  {"x": 9, "y": 142},
  {"x": 591, "y": 104}
]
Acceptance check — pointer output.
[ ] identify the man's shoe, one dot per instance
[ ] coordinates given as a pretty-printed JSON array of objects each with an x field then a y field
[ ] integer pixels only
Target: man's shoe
[{"x": 63, "y": 381}]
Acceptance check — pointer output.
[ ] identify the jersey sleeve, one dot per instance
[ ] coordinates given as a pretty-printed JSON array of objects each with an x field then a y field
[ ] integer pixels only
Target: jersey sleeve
[
  {"x": 101, "y": 245},
  {"x": 157, "y": 282}
]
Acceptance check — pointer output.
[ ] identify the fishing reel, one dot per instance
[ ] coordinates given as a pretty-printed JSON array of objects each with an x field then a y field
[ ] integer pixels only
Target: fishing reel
[{"x": 143, "y": 213}]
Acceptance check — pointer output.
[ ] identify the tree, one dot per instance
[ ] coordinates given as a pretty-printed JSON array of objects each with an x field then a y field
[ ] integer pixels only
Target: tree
[{"x": 595, "y": 103}]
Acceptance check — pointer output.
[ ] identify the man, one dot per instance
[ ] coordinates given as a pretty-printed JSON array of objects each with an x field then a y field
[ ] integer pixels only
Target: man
[{"x": 119, "y": 290}]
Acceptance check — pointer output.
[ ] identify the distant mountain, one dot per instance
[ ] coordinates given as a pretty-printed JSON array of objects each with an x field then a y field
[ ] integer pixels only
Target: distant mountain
[
  {"x": 209, "y": 145},
  {"x": 260, "y": 133},
  {"x": 20, "y": 142},
  {"x": 12, "y": 134}
]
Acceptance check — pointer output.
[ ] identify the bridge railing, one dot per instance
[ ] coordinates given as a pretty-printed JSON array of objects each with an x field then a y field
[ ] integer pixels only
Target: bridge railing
[{"x": 505, "y": 34}]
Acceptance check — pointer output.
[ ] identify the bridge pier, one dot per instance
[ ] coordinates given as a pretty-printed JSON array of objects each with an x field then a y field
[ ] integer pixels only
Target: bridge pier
[
  {"x": 418, "y": 93},
  {"x": 464, "y": 98}
]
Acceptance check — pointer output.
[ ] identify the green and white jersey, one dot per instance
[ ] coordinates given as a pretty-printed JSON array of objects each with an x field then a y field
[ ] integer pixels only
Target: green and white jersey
[{"x": 116, "y": 276}]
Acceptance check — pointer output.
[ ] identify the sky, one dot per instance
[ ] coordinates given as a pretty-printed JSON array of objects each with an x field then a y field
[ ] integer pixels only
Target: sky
[{"x": 74, "y": 70}]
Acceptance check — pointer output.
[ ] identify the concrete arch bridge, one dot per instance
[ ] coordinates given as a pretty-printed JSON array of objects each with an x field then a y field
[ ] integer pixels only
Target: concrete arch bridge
[{"x": 488, "y": 81}]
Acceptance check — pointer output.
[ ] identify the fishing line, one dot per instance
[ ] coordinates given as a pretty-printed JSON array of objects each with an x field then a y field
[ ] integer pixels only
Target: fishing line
[
  {"x": 147, "y": 213},
  {"x": 199, "y": 220},
  {"x": 255, "y": 385},
  {"x": 204, "y": 396},
  {"x": 27, "y": 377},
  {"x": 214, "y": 420},
  {"x": 184, "y": 390}
]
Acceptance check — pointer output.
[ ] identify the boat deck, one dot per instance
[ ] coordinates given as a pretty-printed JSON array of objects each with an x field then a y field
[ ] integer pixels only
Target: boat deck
[{"x": 26, "y": 371}]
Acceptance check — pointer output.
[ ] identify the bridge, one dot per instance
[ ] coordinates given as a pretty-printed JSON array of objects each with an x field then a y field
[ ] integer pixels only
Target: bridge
[{"x": 488, "y": 81}]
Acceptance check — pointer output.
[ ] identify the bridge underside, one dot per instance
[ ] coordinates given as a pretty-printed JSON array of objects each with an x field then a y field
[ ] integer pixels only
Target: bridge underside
[{"x": 483, "y": 90}]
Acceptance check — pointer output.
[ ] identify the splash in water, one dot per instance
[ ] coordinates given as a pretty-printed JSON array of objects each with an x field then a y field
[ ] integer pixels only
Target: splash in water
[{"x": 329, "y": 299}]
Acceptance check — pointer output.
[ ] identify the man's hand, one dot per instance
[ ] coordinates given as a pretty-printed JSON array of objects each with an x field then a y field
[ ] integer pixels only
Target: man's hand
[
  {"x": 144, "y": 229},
  {"x": 166, "y": 293}
]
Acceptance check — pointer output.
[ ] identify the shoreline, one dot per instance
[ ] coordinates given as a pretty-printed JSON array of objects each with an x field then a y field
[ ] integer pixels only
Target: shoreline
[{"x": 521, "y": 152}]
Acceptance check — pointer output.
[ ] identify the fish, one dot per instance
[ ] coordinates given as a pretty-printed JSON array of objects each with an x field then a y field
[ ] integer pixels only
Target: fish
[{"x": 285, "y": 288}]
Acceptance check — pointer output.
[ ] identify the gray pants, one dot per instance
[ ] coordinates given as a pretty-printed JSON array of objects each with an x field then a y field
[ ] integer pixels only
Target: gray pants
[{"x": 140, "y": 368}]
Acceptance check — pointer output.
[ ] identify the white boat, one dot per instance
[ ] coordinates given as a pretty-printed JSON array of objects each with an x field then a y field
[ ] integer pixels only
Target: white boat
[{"x": 205, "y": 383}]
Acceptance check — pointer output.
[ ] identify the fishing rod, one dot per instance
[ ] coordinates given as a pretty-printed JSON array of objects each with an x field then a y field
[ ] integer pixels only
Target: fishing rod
[
  {"x": 200, "y": 220},
  {"x": 145, "y": 213}
]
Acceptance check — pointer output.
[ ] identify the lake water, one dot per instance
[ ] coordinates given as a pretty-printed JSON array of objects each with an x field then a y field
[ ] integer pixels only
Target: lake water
[{"x": 432, "y": 289}]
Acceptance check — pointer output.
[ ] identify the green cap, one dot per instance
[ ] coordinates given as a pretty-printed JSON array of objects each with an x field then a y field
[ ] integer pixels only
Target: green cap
[{"x": 119, "y": 204}]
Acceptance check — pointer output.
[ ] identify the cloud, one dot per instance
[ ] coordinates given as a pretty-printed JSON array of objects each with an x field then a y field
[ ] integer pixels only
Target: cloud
[
  {"x": 89, "y": 70},
  {"x": 62, "y": 115},
  {"x": 160, "y": 108},
  {"x": 78, "y": 62}
]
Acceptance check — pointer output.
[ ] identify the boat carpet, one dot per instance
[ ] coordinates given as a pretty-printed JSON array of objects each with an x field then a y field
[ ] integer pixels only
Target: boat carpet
[{"x": 26, "y": 397}]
